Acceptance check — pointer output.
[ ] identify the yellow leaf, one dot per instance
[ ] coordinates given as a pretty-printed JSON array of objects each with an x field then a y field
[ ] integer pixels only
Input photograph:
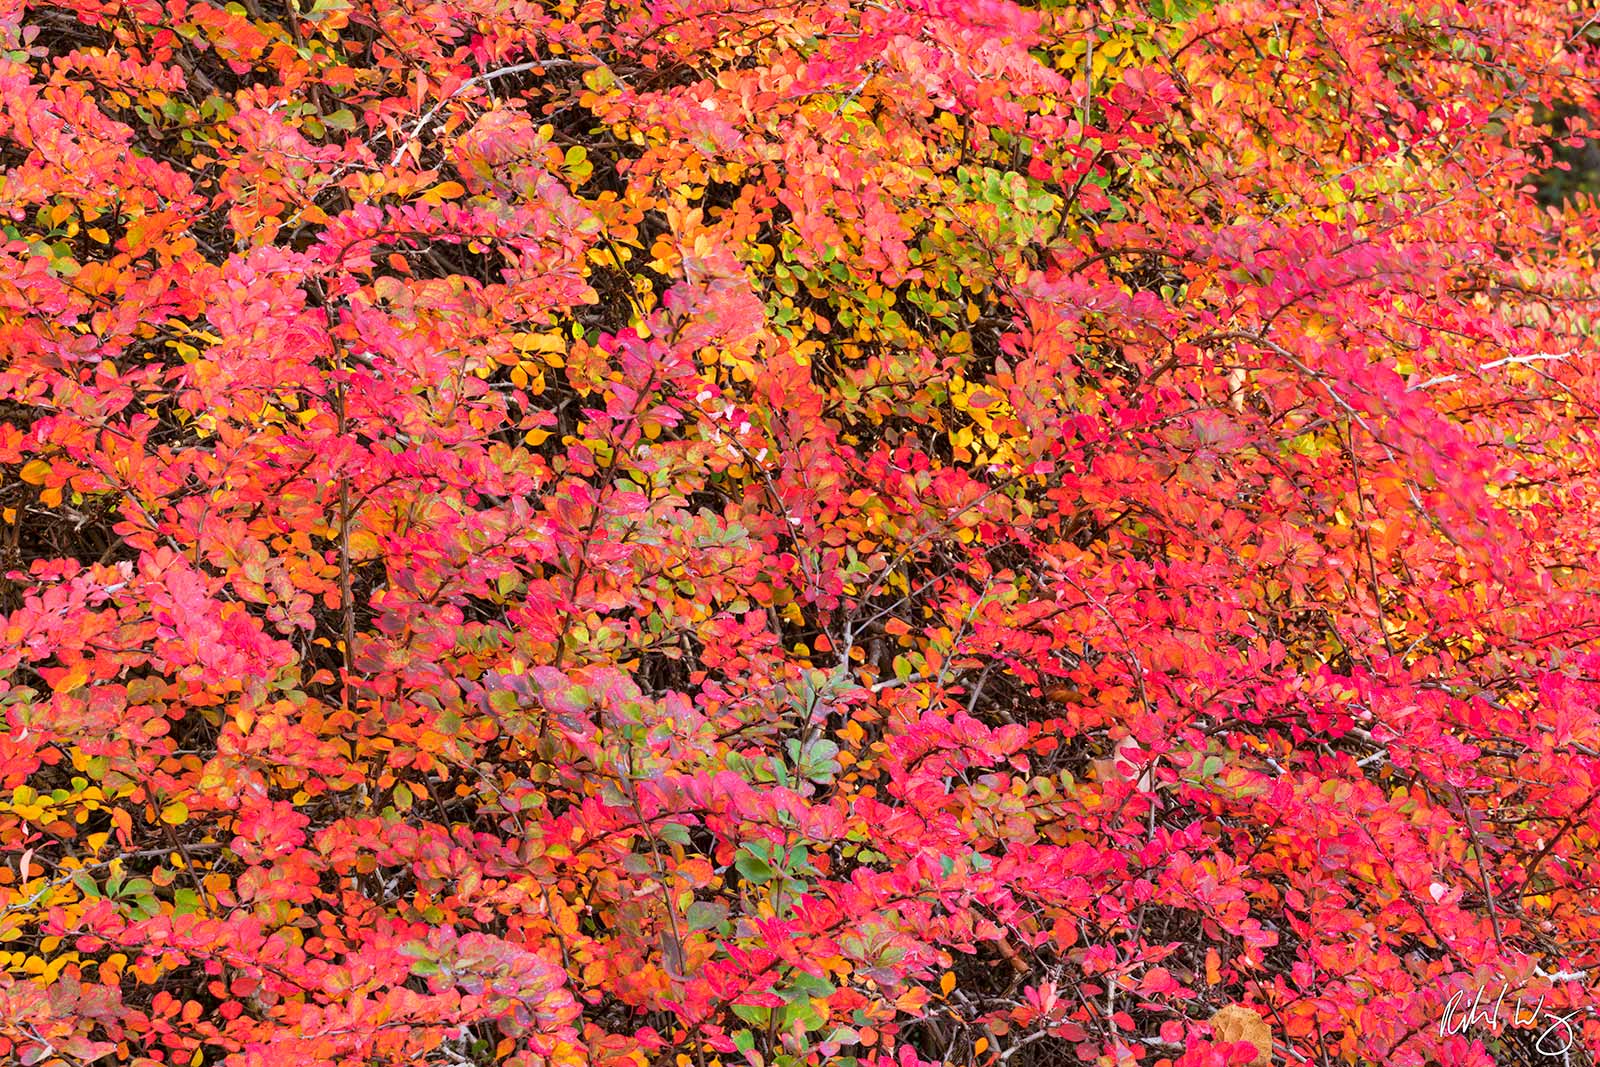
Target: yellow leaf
[
  {"x": 77, "y": 675},
  {"x": 364, "y": 543},
  {"x": 539, "y": 342},
  {"x": 532, "y": 377},
  {"x": 35, "y": 471},
  {"x": 1237, "y": 1023},
  {"x": 175, "y": 813},
  {"x": 947, "y": 983},
  {"x": 444, "y": 191}
]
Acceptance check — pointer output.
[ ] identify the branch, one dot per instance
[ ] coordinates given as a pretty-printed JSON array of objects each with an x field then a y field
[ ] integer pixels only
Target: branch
[
  {"x": 1531, "y": 357},
  {"x": 1338, "y": 398},
  {"x": 479, "y": 79},
  {"x": 895, "y": 683}
]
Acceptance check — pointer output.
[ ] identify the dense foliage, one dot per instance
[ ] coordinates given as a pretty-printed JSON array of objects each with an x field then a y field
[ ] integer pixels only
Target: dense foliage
[{"x": 776, "y": 532}]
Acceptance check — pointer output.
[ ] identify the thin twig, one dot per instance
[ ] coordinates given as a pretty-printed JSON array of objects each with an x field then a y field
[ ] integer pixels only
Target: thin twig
[
  {"x": 479, "y": 79},
  {"x": 1483, "y": 871}
]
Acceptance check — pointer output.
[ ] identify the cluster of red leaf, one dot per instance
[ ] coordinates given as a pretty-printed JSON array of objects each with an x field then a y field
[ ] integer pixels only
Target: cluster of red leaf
[{"x": 785, "y": 532}]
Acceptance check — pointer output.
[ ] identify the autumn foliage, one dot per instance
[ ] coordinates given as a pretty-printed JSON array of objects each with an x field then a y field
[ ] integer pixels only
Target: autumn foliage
[{"x": 794, "y": 532}]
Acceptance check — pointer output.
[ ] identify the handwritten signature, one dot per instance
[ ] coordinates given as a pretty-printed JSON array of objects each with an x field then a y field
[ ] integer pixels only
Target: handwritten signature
[{"x": 1557, "y": 1037}]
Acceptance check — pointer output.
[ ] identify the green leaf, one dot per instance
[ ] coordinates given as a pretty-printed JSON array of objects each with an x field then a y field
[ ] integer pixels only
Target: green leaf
[
  {"x": 803, "y": 986},
  {"x": 706, "y": 914},
  {"x": 754, "y": 868},
  {"x": 753, "y": 1015}
]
